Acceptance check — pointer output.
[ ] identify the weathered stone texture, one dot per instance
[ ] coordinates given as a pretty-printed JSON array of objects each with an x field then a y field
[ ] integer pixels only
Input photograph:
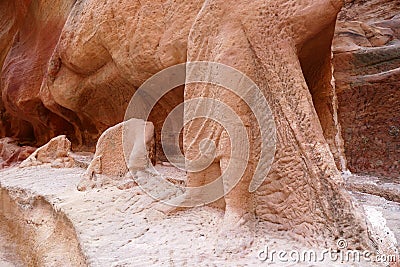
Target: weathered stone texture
[
  {"x": 72, "y": 68},
  {"x": 55, "y": 153},
  {"x": 367, "y": 73},
  {"x": 31, "y": 41},
  {"x": 114, "y": 154}
]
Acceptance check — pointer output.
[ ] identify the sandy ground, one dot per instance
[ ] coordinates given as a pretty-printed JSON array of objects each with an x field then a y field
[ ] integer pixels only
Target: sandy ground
[
  {"x": 8, "y": 258},
  {"x": 117, "y": 227},
  {"x": 390, "y": 210}
]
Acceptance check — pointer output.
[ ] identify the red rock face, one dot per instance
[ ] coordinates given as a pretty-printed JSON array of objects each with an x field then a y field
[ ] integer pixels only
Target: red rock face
[
  {"x": 31, "y": 42},
  {"x": 366, "y": 61},
  {"x": 94, "y": 80},
  {"x": 11, "y": 153},
  {"x": 11, "y": 14}
]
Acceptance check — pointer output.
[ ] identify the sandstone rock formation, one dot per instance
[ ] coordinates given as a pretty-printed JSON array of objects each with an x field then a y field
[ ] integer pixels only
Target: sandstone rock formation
[
  {"x": 273, "y": 44},
  {"x": 85, "y": 74},
  {"x": 112, "y": 157},
  {"x": 32, "y": 114},
  {"x": 34, "y": 31},
  {"x": 366, "y": 61},
  {"x": 12, "y": 13},
  {"x": 103, "y": 68},
  {"x": 41, "y": 234},
  {"x": 55, "y": 152},
  {"x": 11, "y": 153},
  {"x": 369, "y": 11}
]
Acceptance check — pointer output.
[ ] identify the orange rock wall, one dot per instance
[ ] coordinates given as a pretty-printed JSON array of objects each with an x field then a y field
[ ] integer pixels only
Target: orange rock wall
[{"x": 38, "y": 67}]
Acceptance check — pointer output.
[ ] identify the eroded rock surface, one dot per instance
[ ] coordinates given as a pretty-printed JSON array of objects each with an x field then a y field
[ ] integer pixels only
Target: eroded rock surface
[
  {"x": 56, "y": 153},
  {"x": 35, "y": 27},
  {"x": 93, "y": 72},
  {"x": 118, "y": 227},
  {"x": 11, "y": 153},
  {"x": 115, "y": 152},
  {"x": 81, "y": 82},
  {"x": 366, "y": 61},
  {"x": 303, "y": 192},
  {"x": 39, "y": 235}
]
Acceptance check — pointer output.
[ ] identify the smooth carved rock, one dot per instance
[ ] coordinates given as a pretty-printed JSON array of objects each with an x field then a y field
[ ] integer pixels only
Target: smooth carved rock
[
  {"x": 11, "y": 18},
  {"x": 35, "y": 26},
  {"x": 104, "y": 62},
  {"x": 56, "y": 152},
  {"x": 113, "y": 155}
]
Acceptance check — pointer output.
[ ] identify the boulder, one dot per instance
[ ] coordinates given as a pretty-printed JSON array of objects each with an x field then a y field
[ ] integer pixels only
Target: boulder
[
  {"x": 55, "y": 153},
  {"x": 115, "y": 152}
]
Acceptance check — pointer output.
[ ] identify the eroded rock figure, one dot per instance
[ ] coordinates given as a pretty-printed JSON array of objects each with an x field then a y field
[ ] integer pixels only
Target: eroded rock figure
[
  {"x": 56, "y": 152},
  {"x": 105, "y": 62},
  {"x": 274, "y": 43},
  {"x": 107, "y": 49},
  {"x": 112, "y": 156}
]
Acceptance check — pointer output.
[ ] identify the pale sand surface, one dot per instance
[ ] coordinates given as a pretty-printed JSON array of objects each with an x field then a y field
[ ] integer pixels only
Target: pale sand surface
[
  {"x": 117, "y": 227},
  {"x": 8, "y": 258}
]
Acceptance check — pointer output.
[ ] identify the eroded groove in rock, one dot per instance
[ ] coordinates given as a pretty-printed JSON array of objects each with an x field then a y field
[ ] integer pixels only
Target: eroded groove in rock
[{"x": 42, "y": 235}]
